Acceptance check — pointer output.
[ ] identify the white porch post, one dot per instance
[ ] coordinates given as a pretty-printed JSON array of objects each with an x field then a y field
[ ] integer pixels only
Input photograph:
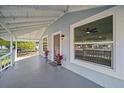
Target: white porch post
[
  {"x": 11, "y": 47},
  {"x": 15, "y": 50},
  {"x": 39, "y": 47}
]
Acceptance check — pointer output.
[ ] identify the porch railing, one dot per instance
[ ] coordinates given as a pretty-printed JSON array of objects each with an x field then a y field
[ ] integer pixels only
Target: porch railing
[{"x": 5, "y": 61}]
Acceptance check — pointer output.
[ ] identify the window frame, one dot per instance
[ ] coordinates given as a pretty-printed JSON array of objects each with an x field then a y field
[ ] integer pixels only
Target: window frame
[
  {"x": 108, "y": 42},
  {"x": 91, "y": 65},
  {"x": 46, "y": 36}
]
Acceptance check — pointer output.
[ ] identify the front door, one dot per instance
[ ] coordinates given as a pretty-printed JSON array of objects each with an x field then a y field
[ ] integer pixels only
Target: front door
[{"x": 56, "y": 45}]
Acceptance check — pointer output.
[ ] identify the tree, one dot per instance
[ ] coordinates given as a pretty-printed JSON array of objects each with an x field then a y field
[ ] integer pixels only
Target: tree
[
  {"x": 27, "y": 46},
  {"x": 4, "y": 43}
]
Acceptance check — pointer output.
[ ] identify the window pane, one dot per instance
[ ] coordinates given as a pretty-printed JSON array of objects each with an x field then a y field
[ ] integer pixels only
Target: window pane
[
  {"x": 95, "y": 53},
  {"x": 96, "y": 31}
]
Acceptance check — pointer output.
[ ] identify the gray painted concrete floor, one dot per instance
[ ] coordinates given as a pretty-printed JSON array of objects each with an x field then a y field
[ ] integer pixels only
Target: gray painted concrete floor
[{"x": 35, "y": 73}]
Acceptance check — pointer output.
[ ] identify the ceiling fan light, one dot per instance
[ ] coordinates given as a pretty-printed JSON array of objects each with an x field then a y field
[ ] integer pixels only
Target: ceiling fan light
[{"x": 87, "y": 32}]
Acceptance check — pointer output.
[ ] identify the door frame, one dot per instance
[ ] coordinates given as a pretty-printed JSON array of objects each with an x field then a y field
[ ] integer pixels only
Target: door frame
[{"x": 52, "y": 53}]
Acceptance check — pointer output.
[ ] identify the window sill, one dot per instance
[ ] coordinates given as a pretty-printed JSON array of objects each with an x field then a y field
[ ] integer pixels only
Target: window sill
[{"x": 98, "y": 68}]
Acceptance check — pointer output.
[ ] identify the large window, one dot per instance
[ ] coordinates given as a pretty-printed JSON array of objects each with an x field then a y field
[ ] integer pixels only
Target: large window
[{"x": 93, "y": 42}]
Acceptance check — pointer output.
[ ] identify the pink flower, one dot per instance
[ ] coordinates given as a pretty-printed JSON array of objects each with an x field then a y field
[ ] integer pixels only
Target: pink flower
[{"x": 59, "y": 58}]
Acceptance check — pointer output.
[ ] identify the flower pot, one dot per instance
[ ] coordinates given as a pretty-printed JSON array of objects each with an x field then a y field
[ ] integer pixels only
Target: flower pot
[
  {"x": 2, "y": 66},
  {"x": 46, "y": 59},
  {"x": 59, "y": 66},
  {"x": 6, "y": 64}
]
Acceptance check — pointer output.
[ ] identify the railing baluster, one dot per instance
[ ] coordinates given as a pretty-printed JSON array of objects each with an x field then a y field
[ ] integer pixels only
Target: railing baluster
[{"x": 5, "y": 61}]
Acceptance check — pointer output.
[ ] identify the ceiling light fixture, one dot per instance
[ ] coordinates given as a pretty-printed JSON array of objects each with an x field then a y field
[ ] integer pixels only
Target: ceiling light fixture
[{"x": 88, "y": 32}]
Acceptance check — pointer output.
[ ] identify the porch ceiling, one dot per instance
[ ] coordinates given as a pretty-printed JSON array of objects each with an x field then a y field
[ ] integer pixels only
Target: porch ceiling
[{"x": 29, "y": 22}]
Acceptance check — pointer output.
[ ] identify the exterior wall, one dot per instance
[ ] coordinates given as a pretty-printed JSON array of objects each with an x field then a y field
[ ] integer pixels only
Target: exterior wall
[{"x": 63, "y": 25}]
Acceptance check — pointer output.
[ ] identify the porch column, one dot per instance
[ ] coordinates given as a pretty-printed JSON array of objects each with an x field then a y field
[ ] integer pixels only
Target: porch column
[
  {"x": 39, "y": 47},
  {"x": 15, "y": 50},
  {"x": 11, "y": 48}
]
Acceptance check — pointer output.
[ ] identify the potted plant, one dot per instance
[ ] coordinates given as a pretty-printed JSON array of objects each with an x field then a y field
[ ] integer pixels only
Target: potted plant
[
  {"x": 46, "y": 52},
  {"x": 59, "y": 58}
]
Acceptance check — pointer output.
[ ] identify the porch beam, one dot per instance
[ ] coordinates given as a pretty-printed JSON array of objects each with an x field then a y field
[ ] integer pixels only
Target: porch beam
[
  {"x": 26, "y": 39},
  {"x": 32, "y": 25},
  {"x": 29, "y": 22},
  {"x": 4, "y": 26},
  {"x": 38, "y": 7},
  {"x": 29, "y": 29},
  {"x": 24, "y": 19}
]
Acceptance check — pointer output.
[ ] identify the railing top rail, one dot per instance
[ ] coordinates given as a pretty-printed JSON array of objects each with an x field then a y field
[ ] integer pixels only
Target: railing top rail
[{"x": 5, "y": 55}]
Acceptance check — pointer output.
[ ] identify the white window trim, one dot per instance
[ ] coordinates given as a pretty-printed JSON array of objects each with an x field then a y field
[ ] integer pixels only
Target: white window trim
[
  {"x": 101, "y": 69},
  {"x": 52, "y": 50},
  {"x": 46, "y": 36}
]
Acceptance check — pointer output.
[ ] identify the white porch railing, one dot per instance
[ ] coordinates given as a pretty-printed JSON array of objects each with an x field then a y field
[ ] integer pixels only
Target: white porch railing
[{"x": 5, "y": 61}]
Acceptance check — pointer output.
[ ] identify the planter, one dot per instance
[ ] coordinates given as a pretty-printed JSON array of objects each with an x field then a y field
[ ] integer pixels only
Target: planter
[
  {"x": 46, "y": 55},
  {"x": 46, "y": 59},
  {"x": 59, "y": 66},
  {"x": 6, "y": 64},
  {"x": 2, "y": 66}
]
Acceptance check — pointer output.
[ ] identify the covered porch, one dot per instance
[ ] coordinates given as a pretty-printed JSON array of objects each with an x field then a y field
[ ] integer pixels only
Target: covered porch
[
  {"x": 34, "y": 72},
  {"x": 28, "y": 23},
  {"x": 88, "y": 38}
]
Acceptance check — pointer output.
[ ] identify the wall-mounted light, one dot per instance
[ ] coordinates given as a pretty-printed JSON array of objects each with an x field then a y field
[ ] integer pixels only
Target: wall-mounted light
[{"x": 62, "y": 36}]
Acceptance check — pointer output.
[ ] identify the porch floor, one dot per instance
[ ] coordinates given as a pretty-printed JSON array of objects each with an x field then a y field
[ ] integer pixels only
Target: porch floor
[{"x": 35, "y": 73}]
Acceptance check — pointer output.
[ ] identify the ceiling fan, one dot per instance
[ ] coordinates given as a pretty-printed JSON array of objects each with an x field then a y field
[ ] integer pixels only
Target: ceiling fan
[{"x": 90, "y": 30}]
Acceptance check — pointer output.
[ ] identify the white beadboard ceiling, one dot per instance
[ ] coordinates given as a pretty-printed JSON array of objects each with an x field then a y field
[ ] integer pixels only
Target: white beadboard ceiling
[{"x": 28, "y": 22}]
